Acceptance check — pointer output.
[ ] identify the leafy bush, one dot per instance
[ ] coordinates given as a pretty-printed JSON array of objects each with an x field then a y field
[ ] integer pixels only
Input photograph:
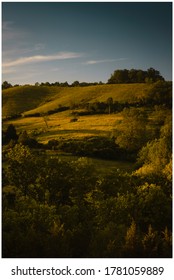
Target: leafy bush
[{"x": 74, "y": 119}]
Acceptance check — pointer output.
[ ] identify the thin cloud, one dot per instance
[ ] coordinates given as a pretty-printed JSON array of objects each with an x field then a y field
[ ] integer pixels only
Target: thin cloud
[
  {"x": 41, "y": 58},
  {"x": 90, "y": 62},
  {"x": 9, "y": 32},
  {"x": 18, "y": 50}
]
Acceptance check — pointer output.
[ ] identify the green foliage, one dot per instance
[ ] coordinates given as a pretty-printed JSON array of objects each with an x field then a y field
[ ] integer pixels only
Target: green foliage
[
  {"x": 69, "y": 212},
  {"x": 99, "y": 147},
  {"x": 132, "y": 242},
  {"x": 160, "y": 94},
  {"x": 26, "y": 140},
  {"x": 151, "y": 243},
  {"x": 166, "y": 242},
  {"x": 153, "y": 206},
  {"x": 27, "y": 228},
  {"x": 131, "y": 133},
  {"x": 6, "y": 85},
  {"x": 135, "y": 76},
  {"x": 10, "y": 134},
  {"x": 156, "y": 155},
  {"x": 22, "y": 167}
]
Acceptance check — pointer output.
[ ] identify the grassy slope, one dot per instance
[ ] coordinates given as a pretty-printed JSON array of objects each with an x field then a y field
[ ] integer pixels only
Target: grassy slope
[
  {"x": 31, "y": 99},
  {"x": 23, "y": 98}
]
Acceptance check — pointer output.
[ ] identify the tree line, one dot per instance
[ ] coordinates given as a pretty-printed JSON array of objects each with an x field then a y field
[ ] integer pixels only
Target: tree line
[
  {"x": 6, "y": 84},
  {"x": 119, "y": 76}
]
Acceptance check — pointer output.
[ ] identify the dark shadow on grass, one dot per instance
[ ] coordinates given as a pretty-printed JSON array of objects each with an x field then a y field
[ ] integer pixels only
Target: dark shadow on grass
[{"x": 72, "y": 131}]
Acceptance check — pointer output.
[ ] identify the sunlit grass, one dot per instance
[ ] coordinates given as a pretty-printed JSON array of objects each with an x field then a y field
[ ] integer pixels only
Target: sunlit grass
[{"x": 60, "y": 125}]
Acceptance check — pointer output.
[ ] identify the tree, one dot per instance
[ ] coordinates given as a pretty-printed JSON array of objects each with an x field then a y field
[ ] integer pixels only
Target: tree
[
  {"x": 22, "y": 168},
  {"x": 154, "y": 75},
  {"x": 25, "y": 139},
  {"x": 151, "y": 243},
  {"x": 65, "y": 84},
  {"x": 131, "y": 132},
  {"x": 131, "y": 241},
  {"x": 75, "y": 84},
  {"x": 140, "y": 76},
  {"x": 132, "y": 75},
  {"x": 110, "y": 103},
  {"x": 6, "y": 85},
  {"x": 119, "y": 76},
  {"x": 153, "y": 206},
  {"x": 10, "y": 134},
  {"x": 160, "y": 94},
  {"x": 155, "y": 156}
]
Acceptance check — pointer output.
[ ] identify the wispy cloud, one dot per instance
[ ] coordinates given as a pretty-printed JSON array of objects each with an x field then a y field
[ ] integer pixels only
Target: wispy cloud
[
  {"x": 20, "y": 50},
  {"x": 41, "y": 58},
  {"x": 90, "y": 62},
  {"x": 9, "y": 32}
]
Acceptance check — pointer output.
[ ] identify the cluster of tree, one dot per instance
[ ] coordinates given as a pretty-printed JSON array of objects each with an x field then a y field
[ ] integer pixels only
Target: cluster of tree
[
  {"x": 66, "y": 84},
  {"x": 107, "y": 107},
  {"x": 135, "y": 76},
  {"x": 55, "y": 208},
  {"x": 160, "y": 94},
  {"x": 98, "y": 147},
  {"x": 6, "y": 85},
  {"x": 10, "y": 137}
]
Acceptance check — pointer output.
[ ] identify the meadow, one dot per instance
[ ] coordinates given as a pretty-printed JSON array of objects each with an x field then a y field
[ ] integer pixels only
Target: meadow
[{"x": 60, "y": 125}]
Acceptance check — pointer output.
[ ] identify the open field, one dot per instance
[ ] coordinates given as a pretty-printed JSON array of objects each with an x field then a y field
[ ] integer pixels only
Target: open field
[{"x": 59, "y": 125}]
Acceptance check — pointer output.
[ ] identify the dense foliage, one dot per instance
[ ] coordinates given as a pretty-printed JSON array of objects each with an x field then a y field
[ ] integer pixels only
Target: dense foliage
[
  {"x": 52, "y": 208},
  {"x": 135, "y": 76}
]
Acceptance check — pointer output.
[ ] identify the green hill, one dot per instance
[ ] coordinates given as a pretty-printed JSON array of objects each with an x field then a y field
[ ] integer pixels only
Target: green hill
[{"x": 32, "y": 99}]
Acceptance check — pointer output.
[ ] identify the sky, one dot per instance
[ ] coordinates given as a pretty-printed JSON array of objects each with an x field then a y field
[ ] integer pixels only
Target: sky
[{"x": 85, "y": 42}]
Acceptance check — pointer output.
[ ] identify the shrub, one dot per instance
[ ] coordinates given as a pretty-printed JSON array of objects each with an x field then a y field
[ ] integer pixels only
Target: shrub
[{"x": 74, "y": 119}]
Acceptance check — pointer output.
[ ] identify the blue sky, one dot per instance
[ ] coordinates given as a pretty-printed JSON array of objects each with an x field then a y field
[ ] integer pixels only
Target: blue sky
[{"x": 44, "y": 41}]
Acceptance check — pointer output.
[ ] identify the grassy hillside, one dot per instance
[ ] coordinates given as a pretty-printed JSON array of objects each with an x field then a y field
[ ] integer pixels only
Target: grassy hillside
[
  {"x": 23, "y": 98},
  {"x": 32, "y": 99}
]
